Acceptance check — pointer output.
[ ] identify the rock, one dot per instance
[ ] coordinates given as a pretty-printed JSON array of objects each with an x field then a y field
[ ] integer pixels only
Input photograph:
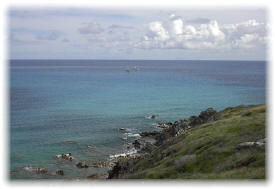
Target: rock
[
  {"x": 70, "y": 158},
  {"x": 180, "y": 132},
  {"x": 100, "y": 164},
  {"x": 172, "y": 130},
  {"x": 41, "y": 170},
  {"x": 136, "y": 144},
  {"x": 152, "y": 116},
  {"x": 148, "y": 148},
  {"x": 251, "y": 144},
  {"x": 246, "y": 144},
  {"x": 67, "y": 156},
  {"x": 162, "y": 125},
  {"x": 183, "y": 124},
  {"x": 58, "y": 156},
  {"x": 82, "y": 165},
  {"x": 114, "y": 172},
  {"x": 205, "y": 115},
  {"x": 194, "y": 120},
  {"x": 162, "y": 137},
  {"x": 63, "y": 156},
  {"x": 60, "y": 172},
  {"x": 149, "y": 134}
]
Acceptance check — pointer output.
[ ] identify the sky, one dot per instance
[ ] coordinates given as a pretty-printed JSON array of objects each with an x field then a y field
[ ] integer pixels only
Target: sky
[{"x": 154, "y": 34}]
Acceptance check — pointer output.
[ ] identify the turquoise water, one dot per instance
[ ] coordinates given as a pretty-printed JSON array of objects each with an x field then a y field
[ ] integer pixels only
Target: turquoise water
[{"x": 61, "y": 106}]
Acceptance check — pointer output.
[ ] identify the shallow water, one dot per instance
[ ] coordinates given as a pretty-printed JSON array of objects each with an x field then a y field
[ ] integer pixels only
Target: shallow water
[{"x": 78, "y": 106}]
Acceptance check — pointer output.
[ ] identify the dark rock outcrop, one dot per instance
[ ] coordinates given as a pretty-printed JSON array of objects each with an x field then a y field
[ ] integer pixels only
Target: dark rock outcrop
[
  {"x": 169, "y": 130},
  {"x": 60, "y": 172},
  {"x": 147, "y": 148},
  {"x": 149, "y": 134},
  {"x": 206, "y": 115},
  {"x": 152, "y": 116},
  {"x": 180, "y": 149},
  {"x": 173, "y": 129},
  {"x": 194, "y": 120},
  {"x": 41, "y": 170},
  {"x": 137, "y": 144},
  {"x": 82, "y": 165}
]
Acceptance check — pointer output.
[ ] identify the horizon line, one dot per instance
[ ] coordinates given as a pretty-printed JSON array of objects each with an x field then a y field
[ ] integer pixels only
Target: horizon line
[{"x": 133, "y": 59}]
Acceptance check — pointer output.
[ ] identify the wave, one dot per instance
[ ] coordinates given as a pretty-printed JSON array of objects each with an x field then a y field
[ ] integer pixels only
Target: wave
[{"x": 127, "y": 153}]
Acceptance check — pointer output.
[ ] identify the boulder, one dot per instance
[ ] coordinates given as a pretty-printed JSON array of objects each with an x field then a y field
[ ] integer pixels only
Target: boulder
[
  {"x": 82, "y": 165},
  {"x": 149, "y": 134},
  {"x": 194, "y": 120},
  {"x": 172, "y": 130},
  {"x": 58, "y": 156},
  {"x": 152, "y": 116},
  {"x": 67, "y": 156},
  {"x": 114, "y": 172},
  {"x": 162, "y": 125},
  {"x": 136, "y": 144},
  {"x": 183, "y": 124},
  {"x": 41, "y": 170},
  {"x": 207, "y": 114},
  {"x": 259, "y": 143},
  {"x": 60, "y": 172},
  {"x": 100, "y": 164}
]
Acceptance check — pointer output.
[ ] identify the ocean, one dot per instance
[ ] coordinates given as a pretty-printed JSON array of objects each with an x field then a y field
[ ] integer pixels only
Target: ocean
[{"x": 78, "y": 106}]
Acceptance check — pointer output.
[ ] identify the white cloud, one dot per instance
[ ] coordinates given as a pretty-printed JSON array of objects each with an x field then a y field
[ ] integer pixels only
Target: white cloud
[
  {"x": 177, "y": 34},
  {"x": 248, "y": 41},
  {"x": 178, "y": 26},
  {"x": 142, "y": 29},
  {"x": 158, "y": 32}
]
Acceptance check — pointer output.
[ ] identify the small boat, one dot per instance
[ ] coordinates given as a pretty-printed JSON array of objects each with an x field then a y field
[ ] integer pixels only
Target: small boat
[
  {"x": 127, "y": 69},
  {"x": 136, "y": 68}
]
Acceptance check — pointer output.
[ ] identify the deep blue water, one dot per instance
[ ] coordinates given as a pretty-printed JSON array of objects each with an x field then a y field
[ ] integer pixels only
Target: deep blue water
[{"x": 86, "y": 101}]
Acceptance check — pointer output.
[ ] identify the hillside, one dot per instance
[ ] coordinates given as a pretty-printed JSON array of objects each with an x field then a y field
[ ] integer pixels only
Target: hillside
[{"x": 213, "y": 145}]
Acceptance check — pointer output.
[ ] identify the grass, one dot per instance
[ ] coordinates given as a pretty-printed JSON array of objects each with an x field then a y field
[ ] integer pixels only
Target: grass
[{"x": 210, "y": 151}]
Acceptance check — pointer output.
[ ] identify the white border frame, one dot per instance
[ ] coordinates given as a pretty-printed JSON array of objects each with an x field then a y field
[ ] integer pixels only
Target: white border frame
[{"x": 6, "y": 4}]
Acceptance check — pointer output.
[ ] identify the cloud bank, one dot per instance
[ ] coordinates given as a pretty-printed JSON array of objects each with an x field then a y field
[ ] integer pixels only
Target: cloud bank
[
  {"x": 185, "y": 34},
  {"x": 203, "y": 34}
]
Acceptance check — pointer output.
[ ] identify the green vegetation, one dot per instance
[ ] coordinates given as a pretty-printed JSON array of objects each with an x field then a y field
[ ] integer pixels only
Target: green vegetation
[{"x": 207, "y": 151}]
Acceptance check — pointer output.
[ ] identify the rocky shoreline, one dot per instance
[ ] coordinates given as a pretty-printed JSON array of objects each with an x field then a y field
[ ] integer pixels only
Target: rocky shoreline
[
  {"x": 152, "y": 146},
  {"x": 150, "y": 141}
]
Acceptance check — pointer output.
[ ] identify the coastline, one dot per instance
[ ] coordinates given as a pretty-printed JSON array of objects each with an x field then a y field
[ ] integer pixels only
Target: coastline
[
  {"x": 149, "y": 152},
  {"x": 151, "y": 146}
]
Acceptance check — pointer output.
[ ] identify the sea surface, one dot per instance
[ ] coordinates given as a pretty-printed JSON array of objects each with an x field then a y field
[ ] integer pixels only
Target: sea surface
[{"x": 78, "y": 106}]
